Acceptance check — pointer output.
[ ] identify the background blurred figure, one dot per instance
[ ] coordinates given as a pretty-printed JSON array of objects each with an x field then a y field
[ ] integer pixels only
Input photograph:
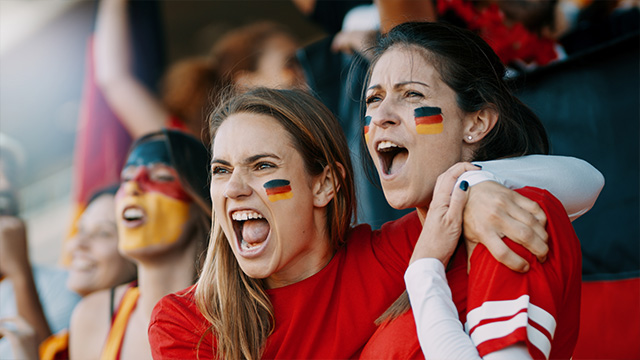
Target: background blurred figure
[
  {"x": 258, "y": 54},
  {"x": 25, "y": 322},
  {"x": 163, "y": 214}
]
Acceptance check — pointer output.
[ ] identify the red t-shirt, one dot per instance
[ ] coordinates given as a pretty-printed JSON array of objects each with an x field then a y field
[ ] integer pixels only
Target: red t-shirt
[
  {"x": 502, "y": 307},
  {"x": 328, "y": 315}
]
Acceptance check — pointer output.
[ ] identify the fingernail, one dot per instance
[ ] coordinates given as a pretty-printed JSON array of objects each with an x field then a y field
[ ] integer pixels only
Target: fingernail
[
  {"x": 464, "y": 185},
  {"x": 480, "y": 166}
]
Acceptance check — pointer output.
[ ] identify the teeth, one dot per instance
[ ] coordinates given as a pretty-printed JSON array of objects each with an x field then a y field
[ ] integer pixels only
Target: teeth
[
  {"x": 244, "y": 215},
  {"x": 132, "y": 214},
  {"x": 246, "y": 246},
  {"x": 384, "y": 145}
]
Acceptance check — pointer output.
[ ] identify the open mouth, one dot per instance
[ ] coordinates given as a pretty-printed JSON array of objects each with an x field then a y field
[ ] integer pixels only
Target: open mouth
[
  {"x": 251, "y": 229},
  {"x": 392, "y": 156},
  {"x": 133, "y": 216}
]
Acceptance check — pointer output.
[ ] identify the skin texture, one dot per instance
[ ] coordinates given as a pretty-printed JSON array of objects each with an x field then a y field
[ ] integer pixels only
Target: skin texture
[
  {"x": 95, "y": 262},
  {"x": 151, "y": 186},
  {"x": 163, "y": 266},
  {"x": 292, "y": 250},
  {"x": 277, "y": 68},
  {"x": 401, "y": 82}
]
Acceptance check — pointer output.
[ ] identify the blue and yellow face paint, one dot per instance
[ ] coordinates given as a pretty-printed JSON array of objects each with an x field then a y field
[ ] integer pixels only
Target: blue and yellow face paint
[
  {"x": 278, "y": 189},
  {"x": 428, "y": 120}
]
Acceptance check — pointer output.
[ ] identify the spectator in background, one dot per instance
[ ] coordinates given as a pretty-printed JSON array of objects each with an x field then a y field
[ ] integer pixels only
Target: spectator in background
[
  {"x": 257, "y": 54},
  {"x": 33, "y": 299},
  {"x": 95, "y": 264},
  {"x": 163, "y": 215}
]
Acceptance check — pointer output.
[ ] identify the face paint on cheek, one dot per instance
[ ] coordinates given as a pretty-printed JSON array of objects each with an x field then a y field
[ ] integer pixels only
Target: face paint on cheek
[
  {"x": 367, "y": 121},
  {"x": 428, "y": 120},
  {"x": 163, "y": 221},
  {"x": 278, "y": 190}
]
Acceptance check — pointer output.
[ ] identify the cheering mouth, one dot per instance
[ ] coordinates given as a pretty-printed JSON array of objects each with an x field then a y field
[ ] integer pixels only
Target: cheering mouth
[
  {"x": 251, "y": 229},
  {"x": 392, "y": 156}
]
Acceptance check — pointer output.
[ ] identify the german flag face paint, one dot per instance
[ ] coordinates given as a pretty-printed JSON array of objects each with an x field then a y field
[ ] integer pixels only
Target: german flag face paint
[
  {"x": 278, "y": 190},
  {"x": 367, "y": 121},
  {"x": 428, "y": 120}
]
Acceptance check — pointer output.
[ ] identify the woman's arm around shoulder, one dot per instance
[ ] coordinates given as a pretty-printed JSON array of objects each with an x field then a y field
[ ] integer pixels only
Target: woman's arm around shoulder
[{"x": 575, "y": 182}]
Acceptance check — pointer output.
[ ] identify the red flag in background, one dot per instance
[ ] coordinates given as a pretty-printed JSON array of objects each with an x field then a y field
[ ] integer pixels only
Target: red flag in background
[{"x": 102, "y": 143}]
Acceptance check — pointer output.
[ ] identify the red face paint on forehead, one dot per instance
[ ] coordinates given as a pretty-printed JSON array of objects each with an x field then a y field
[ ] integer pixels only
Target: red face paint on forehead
[{"x": 155, "y": 178}]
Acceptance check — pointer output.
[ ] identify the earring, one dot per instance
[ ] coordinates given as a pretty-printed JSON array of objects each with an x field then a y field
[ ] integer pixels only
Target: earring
[{"x": 469, "y": 137}]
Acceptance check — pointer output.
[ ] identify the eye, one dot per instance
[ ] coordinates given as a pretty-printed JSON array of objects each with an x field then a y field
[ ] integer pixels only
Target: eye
[
  {"x": 372, "y": 98},
  {"x": 263, "y": 165},
  {"x": 413, "y": 94},
  {"x": 162, "y": 175},
  {"x": 128, "y": 173},
  {"x": 219, "y": 170}
]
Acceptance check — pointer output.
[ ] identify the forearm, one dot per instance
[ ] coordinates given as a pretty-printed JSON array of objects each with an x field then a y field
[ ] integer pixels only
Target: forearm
[
  {"x": 112, "y": 48},
  {"x": 138, "y": 109},
  {"x": 439, "y": 331},
  {"x": 574, "y": 182},
  {"x": 28, "y": 303}
]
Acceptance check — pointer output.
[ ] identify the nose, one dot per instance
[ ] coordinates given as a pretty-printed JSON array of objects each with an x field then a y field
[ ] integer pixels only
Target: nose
[
  {"x": 131, "y": 187},
  {"x": 79, "y": 241},
  {"x": 237, "y": 187},
  {"x": 385, "y": 115}
]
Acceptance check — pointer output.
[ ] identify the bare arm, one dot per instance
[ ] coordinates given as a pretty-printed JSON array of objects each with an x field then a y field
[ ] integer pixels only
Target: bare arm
[
  {"x": 138, "y": 109},
  {"x": 15, "y": 265}
]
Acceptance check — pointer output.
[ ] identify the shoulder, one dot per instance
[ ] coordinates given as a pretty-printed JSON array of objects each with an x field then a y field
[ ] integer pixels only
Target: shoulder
[
  {"x": 177, "y": 311},
  {"x": 90, "y": 323},
  {"x": 409, "y": 226},
  {"x": 177, "y": 328}
]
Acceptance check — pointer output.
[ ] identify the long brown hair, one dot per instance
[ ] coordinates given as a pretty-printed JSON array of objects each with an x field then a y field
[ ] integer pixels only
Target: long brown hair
[
  {"x": 469, "y": 66},
  {"x": 237, "y": 306}
]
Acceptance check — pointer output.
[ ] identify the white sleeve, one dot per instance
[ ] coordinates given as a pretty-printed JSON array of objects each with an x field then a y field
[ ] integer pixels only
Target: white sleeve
[
  {"x": 573, "y": 181},
  {"x": 440, "y": 333}
]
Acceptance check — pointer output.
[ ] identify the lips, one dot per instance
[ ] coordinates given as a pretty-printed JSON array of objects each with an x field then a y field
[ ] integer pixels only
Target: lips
[
  {"x": 252, "y": 231},
  {"x": 133, "y": 216},
  {"x": 392, "y": 157}
]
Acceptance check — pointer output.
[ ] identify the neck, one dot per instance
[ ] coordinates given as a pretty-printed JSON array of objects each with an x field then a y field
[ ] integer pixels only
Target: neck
[
  {"x": 310, "y": 260},
  {"x": 422, "y": 213},
  {"x": 160, "y": 277}
]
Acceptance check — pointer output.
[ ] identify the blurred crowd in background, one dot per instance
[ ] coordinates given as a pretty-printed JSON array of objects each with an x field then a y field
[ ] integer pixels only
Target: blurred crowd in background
[{"x": 81, "y": 80}]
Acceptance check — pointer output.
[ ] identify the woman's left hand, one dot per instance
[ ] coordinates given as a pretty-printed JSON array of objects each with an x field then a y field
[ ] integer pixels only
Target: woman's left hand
[
  {"x": 493, "y": 212},
  {"x": 442, "y": 226}
]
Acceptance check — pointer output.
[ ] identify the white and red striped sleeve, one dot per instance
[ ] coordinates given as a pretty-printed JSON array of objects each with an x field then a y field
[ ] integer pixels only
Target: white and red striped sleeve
[{"x": 505, "y": 308}]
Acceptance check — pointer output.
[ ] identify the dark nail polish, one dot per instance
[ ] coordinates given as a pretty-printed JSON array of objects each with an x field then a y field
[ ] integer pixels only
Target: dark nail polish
[
  {"x": 464, "y": 185},
  {"x": 480, "y": 166}
]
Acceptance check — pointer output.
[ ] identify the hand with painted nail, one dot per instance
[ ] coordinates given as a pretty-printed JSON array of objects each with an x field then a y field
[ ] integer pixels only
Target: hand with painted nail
[
  {"x": 493, "y": 212},
  {"x": 443, "y": 224}
]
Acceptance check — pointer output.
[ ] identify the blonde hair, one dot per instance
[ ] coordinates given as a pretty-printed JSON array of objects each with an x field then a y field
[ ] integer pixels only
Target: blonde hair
[{"x": 237, "y": 306}]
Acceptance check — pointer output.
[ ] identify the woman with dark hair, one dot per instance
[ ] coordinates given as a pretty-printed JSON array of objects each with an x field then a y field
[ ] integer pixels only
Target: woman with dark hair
[
  {"x": 163, "y": 212},
  {"x": 286, "y": 274},
  {"x": 436, "y": 96}
]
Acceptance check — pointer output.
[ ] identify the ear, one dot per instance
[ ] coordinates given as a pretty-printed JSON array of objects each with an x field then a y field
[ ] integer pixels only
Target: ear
[
  {"x": 480, "y": 123},
  {"x": 326, "y": 185}
]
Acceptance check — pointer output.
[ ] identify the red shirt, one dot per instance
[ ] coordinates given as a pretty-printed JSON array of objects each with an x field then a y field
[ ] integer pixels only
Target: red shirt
[
  {"x": 540, "y": 308},
  {"x": 329, "y": 315}
]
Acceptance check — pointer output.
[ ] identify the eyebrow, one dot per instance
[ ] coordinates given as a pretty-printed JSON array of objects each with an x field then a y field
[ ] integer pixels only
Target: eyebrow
[
  {"x": 398, "y": 85},
  {"x": 249, "y": 160}
]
